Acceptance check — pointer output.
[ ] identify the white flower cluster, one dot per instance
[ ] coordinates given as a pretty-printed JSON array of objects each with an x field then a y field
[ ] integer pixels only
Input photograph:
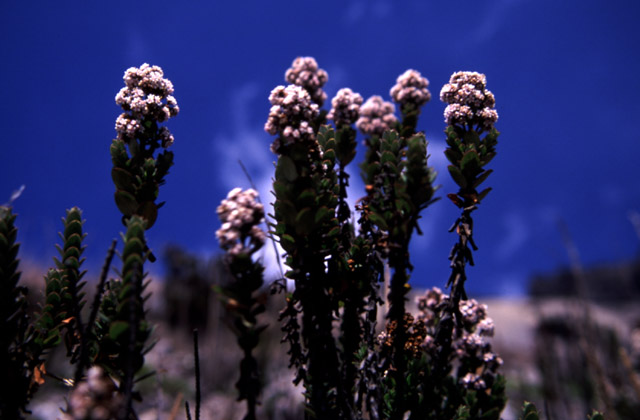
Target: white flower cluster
[
  {"x": 291, "y": 114},
  {"x": 411, "y": 88},
  {"x": 469, "y": 342},
  {"x": 345, "y": 108},
  {"x": 96, "y": 398},
  {"x": 147, "y": 95},
  {"x": 240, "y": 214},
  {"x": 304, "y": 72},
  {"x": 470, "y": 103},
  {"x": 376, "y": 116}
]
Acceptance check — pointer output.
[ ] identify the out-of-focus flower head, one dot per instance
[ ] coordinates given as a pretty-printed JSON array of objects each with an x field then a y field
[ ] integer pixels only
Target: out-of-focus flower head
[
  {"x": 240, "y": 214},
  {"x": 376, "y": 116},
  {"x": 96, "y": 398},
  {"x": 304, "y": 72},
  {"x": 147, "y": 96},
  {"x": 469, "y": 102},
  {"x": 291, "y": 114},
  {"x": 411, "y": 88},
  {"x": 345, "y": 107},
  {"x": 469, "y": 340}
]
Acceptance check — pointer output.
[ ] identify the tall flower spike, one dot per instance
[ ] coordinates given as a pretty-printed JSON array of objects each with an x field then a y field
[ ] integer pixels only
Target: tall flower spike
[
  {"x": 345, "y": 107},
  {"x": 376, "y": 116},
  {"x": 470, "y": 103},
  {"x": 138, "y": 171},
  {"x": 411, "y": 88},
  {"x": 304, "y": 72},
  {"x": 240, "y": 214},
  {"x": 146, "y": 96},
  {"x": 290, "y": 116}
]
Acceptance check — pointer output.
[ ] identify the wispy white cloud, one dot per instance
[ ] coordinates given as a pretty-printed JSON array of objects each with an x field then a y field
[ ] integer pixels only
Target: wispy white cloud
[
  {"x": 358, "y": 10},
  {"x": 247, "y": 142},
  {"x": 516, "y": 234},
  {"x": 496, "y": 14},
  {"x": 136, "y": 48}
]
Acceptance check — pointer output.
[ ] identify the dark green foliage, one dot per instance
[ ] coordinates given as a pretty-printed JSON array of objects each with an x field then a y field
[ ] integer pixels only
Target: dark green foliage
[
  {"x": 16, "y": 362},
  {"x": 137, "y": 177},
  {"x": 121, "y": 329},
  {"x": 530, "y": 412},
  {"x": 70, "y": 284},
  {"x": 307, "y": 195},
  {"x": 244, "y": 302},
  {"x": 468, "y": 154}
]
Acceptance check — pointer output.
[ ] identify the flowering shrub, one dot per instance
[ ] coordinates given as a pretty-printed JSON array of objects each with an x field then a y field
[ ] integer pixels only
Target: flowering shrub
[{"x": 434, "y": 364}]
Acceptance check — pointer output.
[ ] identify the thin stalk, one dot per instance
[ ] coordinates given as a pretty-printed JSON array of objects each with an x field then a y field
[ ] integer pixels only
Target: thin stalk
[
  {"x": 196, "y": 356},
  {"x": 82, "y": 364}
]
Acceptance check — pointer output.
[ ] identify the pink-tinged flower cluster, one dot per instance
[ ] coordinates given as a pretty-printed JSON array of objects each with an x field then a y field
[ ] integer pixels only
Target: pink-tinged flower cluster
[
  {"x": 376, "y": 116},
  {"x": 411, "y": 88},
  {"x": 96, "y": 398},
  {"x": 291, "y": 115},
  {"x": 304, "y": 72},
  {"x": 470, "y": 103},
  {"x": 469, "y": 342},
  {"x": 241, "y": 214},
  {"x": 147, "y": 96},
  {"x": 345, "y": 108}
]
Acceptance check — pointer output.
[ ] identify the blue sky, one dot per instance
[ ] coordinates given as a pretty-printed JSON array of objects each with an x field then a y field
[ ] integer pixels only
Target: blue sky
[{"x": 564, "y": 74}]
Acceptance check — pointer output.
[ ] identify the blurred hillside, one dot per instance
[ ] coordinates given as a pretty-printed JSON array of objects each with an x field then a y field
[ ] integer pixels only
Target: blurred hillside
[{"x": 559, "y": 351}]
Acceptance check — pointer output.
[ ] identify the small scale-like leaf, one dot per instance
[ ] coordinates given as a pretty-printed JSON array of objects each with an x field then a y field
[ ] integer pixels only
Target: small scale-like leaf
[
  {"x": 126, "y": 202},
  {"x": 529, "y": 411},
  {"x": 457, "y": 176},
  {"x": 287, "y": 242},
  {"x": 286, "y": 168},
  {"x": 378, "y": 220},
  {"x": 329, "y": 155},
  {"x": 53, "y": 299},
  {"x": 387, "y": 157},
  {"x": 483, "y": 194},
  {"x": 117, "y": 329},
  {"x": 483, "y": 176},
  {"x": 322, "y": 213},
  {"x": 304, "y": 221},
  {"x": 470, "y": 161},
  {"x": 149, "y": 211}
]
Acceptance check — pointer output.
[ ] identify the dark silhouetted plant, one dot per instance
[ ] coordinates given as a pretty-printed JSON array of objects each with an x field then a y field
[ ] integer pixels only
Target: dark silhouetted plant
[
  {"x": 337, "y": 267},
  {"x": 240, "y": 236},
  {"x": 18, "y": 365}
]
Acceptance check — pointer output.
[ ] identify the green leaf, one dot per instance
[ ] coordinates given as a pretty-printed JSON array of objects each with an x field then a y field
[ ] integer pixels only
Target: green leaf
[
  {"x": 287, "y": 242},
  {"x": 378, "y": 220},
  {"x": 479, "y": 180},
  {"x": 126, "y": 203},
  {"x": 149, "y": 211},
  {"x": 329, "y": 155},
  {"x": 321, "y": 214},
  {"x": 304, "y": 221},
  {"x": 387, "y": 157},
  {"x": 483, "y": 194},
  {"x": 333, "y": 232},
  {"x": 596, "y": 416},
  {"x": 53, "y": 299},
  {"x": 452, "y": 155},
  {"x": 122, "y": 179},
  {"x": 286, "y": 168},
  {"x": 470, "y": 161},
  {"x": 457, "y": 176},
  {"x": 529, "y": 412},
  {"x": 117, "y": 329}
]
